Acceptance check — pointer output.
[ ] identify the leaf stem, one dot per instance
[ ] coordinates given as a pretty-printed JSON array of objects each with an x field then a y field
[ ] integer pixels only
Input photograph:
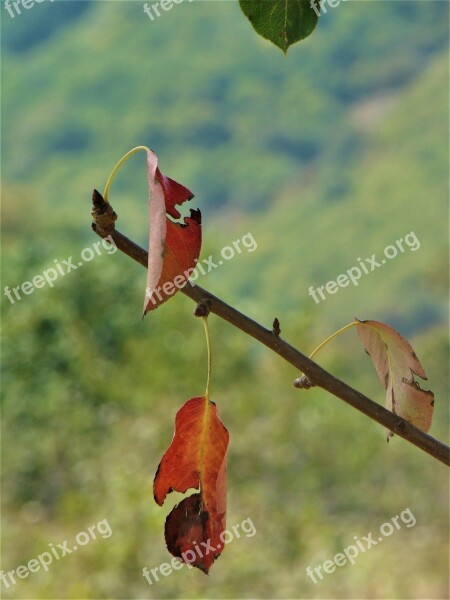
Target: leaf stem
[
  {"x": 332, "y": 336},
  {"x": 208, "y": 346},
  {"x": 117, "y": 167}
]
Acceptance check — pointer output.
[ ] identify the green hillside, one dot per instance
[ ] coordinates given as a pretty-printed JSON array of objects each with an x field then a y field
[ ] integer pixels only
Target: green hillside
[
  {"x": 114, "y": 80},
  {"x": 326, "y": 156},
  {"x": 396, "y": 184}
]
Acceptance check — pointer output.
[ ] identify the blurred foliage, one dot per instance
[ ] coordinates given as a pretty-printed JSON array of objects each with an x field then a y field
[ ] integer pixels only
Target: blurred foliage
[
  {"x": 324, "y": 157},
  {"x": 258, "y": 115}
]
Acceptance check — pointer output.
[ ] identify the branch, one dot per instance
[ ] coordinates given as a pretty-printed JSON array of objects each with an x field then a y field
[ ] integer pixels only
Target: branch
[{"x": 104, "y": 225}]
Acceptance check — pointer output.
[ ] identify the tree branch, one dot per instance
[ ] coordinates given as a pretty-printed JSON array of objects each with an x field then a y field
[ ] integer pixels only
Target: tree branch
[{"x": 104, "y": 225}]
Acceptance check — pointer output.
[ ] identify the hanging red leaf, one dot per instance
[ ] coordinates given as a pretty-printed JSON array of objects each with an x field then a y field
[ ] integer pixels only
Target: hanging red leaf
[
  {"x": 396, "y": 364},
  {"x": 174, "y": 247},
  {"x": 195, "y": 459}
]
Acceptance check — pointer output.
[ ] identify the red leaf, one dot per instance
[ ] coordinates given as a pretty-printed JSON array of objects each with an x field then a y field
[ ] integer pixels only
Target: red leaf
[
  {"x": 195, "y": 459},
  {"x": 174, "y": 247},
  {"x": 396, "y": 364}
]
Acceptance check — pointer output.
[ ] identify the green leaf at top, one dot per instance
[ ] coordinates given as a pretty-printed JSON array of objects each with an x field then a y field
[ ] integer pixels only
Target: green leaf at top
[{"x": 283, "y": 22}]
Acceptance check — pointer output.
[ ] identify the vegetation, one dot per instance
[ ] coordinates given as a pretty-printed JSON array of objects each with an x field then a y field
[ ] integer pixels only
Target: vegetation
[{"x": 324, "y": 157}]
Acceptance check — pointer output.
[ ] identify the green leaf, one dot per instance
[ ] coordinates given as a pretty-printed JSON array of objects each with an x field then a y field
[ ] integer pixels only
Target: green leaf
[{"x": 283, "y": 22}]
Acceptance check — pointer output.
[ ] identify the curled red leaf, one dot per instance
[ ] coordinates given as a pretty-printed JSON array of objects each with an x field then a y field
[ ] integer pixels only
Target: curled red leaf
[{"x": 174, "y": 247}]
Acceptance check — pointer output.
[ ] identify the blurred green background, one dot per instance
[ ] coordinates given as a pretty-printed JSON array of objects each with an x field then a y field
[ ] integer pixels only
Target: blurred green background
[{"x": 325, "y": 156}]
